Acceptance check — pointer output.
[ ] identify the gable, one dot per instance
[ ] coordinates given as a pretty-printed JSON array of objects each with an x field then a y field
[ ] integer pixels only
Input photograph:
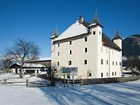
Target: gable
[{"x": 74, "y": 30}]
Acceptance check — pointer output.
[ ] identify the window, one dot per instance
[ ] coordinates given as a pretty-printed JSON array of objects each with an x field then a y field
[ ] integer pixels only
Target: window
[
  {"x": 70, "y": 42},
  {"x": 69, "y": 63},
  {"x": 112, "y": 62},
  {"x": 101, "y": 49},
  {"x": 85, "y": 62},
  {"x": 70, "y": 52},
  {"x": 85, "y": 39},
  {"x": 94, "y": 32},
  {"x": 85, "y": 49},
  {"x": 107, "y": 62},
  {"x": 89, "y": 74},
  {"x": 99, "y": 32},
  {"x": 68, "y": 76},
  {"x": 58, "y": 45},
  {"x": 58, "y": 53},
  {"x": 120, "y": 64},
  {"x": 112, "y": 73},
  {"x": 116, "y": 63},
  {"x": 106, "y": 50},
  {"x": 102, "y": 61},
  {"x": 101, "y": 74},
  {"x": 106, "y": 74},
  {"x": 115, "y": 73},
  {"x": 57, "y": 63}
]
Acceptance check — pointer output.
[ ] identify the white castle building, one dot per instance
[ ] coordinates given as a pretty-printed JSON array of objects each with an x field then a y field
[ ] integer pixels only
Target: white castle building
[{"x": 85, "y": 47}]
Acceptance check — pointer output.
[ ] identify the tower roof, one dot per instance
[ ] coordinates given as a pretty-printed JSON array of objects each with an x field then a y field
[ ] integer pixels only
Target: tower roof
[
  {"x": 95, "y": 21},
  {"x": 117, "y": 36}
]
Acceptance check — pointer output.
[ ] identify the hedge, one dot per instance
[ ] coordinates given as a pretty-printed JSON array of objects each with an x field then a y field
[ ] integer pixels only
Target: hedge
[{"x": 109, "y": 80}]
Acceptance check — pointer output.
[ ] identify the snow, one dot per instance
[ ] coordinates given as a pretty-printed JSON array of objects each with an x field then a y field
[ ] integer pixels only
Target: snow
[
  {"x": 7, "y": 76},
  {"x": 93, "y": 24},
  {"x": 45, "y": 58},
  {"x": 33, "y": 65},
  {"x": 15, "y": 80},
  {"x": 74, "y": 30},
  {"x": 101, "y": 94}
]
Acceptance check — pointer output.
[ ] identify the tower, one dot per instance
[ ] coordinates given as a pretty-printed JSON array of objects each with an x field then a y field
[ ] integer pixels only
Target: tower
[{"x": 95, "y": 30}]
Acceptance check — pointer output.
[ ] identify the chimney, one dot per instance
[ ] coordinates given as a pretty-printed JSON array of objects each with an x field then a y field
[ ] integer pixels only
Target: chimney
[{"x": 81, "y": 19}]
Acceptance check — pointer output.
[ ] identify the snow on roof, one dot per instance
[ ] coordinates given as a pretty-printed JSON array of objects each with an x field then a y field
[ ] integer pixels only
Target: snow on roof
[
  {"x": 74, "y": 30},
  {"x": 45, "y": 58},
  {"x": 33, "y": 65},
  {"x": 93, "y": 24}
]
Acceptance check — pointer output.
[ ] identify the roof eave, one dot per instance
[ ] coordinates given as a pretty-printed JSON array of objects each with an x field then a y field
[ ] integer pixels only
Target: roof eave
[{"x": 72, "y": 37}]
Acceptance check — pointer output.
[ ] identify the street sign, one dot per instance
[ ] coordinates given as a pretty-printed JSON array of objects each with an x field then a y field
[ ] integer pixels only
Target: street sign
[{"x": 70, "y": 69}]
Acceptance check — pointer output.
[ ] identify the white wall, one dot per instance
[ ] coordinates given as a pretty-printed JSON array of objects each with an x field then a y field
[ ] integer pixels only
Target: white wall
[
  {"x": 93, "y": 56},
  {"x": 112, "y": 56}
]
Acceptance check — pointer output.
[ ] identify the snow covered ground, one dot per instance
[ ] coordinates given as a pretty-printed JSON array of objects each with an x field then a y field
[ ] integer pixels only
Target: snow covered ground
[{"x": 101, "y": 94}]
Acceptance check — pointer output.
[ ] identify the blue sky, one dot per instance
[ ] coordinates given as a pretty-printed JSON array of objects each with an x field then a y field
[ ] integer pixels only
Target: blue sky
[{"x": 36, "y": 20}]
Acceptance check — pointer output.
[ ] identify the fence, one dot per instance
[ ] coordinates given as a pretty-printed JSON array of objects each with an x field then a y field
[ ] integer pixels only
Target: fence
[
  {"x": 26, "y": 83},
  {"x": 109, "y": 80}
]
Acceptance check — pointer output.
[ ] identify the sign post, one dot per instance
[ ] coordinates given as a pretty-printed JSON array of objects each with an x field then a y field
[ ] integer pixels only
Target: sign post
[
  {"x": 70, "y": 70},
  {"x": 72, "y": 78}
]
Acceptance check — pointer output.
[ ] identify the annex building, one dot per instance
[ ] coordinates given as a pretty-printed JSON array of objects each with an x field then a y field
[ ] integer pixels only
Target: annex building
[{"x": 85, "y": 47}]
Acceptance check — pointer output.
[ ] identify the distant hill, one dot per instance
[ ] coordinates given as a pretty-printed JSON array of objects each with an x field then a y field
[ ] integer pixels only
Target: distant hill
[{"x": 131, "y": 45}]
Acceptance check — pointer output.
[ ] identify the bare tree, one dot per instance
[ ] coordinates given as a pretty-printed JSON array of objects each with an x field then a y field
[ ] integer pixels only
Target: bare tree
[
  {"x": 23, "y": 51},
  {"x": 5, "y": 63}
]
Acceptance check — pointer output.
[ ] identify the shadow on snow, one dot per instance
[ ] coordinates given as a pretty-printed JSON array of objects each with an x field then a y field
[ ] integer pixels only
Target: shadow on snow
[{"x": 107, "y": 94}]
